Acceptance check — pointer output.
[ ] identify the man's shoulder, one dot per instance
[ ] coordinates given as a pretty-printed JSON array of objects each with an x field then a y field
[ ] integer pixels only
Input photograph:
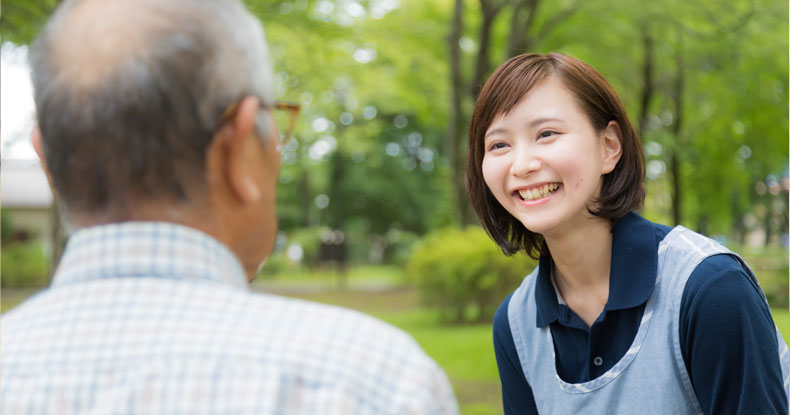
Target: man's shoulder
[
  {"x": 172, "y": 328},
  {"x": 200, "y": 312}
]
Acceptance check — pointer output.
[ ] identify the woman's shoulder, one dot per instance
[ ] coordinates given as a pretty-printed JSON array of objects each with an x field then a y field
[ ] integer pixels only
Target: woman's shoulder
[
  {"x": 721, "y": 277},
  {"x": 504, "y": 345}
]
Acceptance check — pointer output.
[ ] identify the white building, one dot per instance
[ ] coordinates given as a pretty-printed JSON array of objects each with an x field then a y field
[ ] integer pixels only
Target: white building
[{"x": 26, "y": 196}]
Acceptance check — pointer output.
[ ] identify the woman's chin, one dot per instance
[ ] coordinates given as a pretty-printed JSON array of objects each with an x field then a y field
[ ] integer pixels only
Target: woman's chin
[{"x": 539, "y": 227}]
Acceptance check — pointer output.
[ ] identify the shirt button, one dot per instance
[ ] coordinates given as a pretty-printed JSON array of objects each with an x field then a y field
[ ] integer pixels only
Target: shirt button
[{"x": 598, "y": 361}]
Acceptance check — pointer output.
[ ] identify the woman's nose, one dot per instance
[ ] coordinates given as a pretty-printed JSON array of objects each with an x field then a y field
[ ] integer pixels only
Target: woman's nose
[{"x": 525, "y": 162}]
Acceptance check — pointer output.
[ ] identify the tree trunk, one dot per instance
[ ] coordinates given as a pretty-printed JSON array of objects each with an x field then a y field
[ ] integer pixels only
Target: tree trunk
[
  {"x": 674, "y": 170},
  {"x": 703, "y": 224},
  {"x": 304, "y": 193},
  {"x": 520, "y": 22},
  {"x": 738, "y": 227},
  {"x": 483, "y": 65},
  {"x": 769, "y": 213},
  {"x": 648, "y": 66},
  {"x": 336, "y": 211},
  {"x": 677, "y": 98},
  {"x": 647, "y": 80},
  {"x": 455, "y": 121}
]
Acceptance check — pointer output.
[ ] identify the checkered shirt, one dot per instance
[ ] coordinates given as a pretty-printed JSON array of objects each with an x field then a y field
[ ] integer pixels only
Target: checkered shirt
[{"x": 156, "y": 318}]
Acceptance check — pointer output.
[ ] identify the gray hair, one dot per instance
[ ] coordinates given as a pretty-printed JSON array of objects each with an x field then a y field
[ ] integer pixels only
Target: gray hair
[{"x": 129, "y": 95}]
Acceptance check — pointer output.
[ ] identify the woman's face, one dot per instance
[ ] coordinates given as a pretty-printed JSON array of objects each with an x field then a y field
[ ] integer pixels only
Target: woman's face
[{"x": 544, "y": 160}]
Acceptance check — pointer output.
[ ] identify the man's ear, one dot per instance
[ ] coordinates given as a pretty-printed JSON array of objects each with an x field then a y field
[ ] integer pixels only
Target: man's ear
[
  {"x": 231, "y": 155},
  {"x": 38, "y": 146},
  {"x": 611, "y": 146}
]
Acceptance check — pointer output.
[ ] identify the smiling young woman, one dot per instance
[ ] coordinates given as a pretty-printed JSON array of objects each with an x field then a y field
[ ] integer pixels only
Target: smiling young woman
[{"x": 621, "y": 314}]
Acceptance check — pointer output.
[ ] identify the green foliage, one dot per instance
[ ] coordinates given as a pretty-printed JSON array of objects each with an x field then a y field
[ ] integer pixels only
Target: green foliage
[
  {"x": 21, "y": 20},
  {"x": 730, "y": 130},
  {"x": 24, "y": 265},
  {"x": 277, "y": 263},
  {"x": 464, "y": 274},
  {"x": 375, "y": 89},
  {"x": 399, "y": 245},
  {"x": 377, "y": 113},
  {"x": 310, "y": 241},
  {"x": 774, "y": 284},
  {"x": 731, "y": 123}
]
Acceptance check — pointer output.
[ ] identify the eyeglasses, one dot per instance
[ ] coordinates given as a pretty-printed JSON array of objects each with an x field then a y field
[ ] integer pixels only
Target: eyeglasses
[{"x": 284, "y": 117}]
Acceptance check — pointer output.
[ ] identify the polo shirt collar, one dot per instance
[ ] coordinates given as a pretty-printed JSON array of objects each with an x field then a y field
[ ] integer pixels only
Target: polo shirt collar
[
  {"x": 632, "y": 275},
  {"x": 147, "y": 249}
]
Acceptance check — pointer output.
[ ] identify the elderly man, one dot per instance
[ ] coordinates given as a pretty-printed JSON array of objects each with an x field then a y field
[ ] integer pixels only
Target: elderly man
[{"x": 157, "y": 134}]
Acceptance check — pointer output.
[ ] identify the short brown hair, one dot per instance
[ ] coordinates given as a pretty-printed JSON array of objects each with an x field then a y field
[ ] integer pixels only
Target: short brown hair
[{"x": 622, "y": 190}]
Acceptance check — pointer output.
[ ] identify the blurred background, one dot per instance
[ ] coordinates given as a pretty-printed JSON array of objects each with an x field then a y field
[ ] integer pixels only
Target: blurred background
[{"x": 373, "y": 212}]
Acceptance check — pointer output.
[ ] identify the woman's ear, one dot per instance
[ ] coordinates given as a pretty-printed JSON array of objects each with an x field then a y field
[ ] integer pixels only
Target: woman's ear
[{"x": 612, "y": 147}]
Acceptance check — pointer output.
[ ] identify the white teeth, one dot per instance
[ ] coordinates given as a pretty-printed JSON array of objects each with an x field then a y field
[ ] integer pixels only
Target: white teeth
[{"x": 538, "y": 192}]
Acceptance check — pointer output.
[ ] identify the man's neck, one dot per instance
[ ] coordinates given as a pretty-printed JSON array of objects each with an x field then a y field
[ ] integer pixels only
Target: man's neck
[{"x": 193, "y": 215}]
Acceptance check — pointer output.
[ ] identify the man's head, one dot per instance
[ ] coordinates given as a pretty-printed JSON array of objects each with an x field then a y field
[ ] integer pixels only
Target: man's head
[{"x": 129, "y": 95}]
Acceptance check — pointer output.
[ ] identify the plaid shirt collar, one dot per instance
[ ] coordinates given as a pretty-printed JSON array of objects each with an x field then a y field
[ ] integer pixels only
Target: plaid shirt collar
[{"x": 147, "y": 249}]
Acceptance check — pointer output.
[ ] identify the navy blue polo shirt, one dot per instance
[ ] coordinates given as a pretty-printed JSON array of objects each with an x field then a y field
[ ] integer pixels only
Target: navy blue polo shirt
[{"x": 724, "y": 328}]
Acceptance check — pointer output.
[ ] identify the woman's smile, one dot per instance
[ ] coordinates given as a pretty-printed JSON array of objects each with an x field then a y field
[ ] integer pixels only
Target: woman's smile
[{"x": 537, "y": 195}]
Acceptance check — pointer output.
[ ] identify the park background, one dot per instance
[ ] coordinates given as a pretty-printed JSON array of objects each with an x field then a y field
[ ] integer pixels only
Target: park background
[{"x": 372, "y": 209}]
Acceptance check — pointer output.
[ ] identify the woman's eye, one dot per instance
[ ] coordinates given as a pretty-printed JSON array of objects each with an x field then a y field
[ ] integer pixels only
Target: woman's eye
[
  {"x": 496, "y": 146},
  {"x": 547, "y": 133}
]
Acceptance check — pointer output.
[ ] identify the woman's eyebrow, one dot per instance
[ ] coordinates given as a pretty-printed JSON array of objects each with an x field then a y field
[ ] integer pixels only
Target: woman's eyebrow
[
  {"x": 495, "y": 131},
  {"x": 543, "y": 120},
  {"x": 531, "y": 124}
]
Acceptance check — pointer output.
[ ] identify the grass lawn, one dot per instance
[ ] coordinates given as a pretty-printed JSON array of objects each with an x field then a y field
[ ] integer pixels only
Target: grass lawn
[
  {"x": 357, "y": 277},
  {"x": 782, "y": 321}
]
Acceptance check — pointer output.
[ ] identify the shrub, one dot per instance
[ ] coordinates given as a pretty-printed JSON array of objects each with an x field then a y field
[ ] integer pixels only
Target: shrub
[
  {"x": 464, "y": 274},
  {"x": 6, "y": 227},
  {"x": 770, "y": 266},
  {"x": 399, "y": 245},
  {"x": 24, "y": 265},
  {"x": 307, "y": 239},
  {"x": 277, "y": 263},
  {"x": 774, "y": 284},
  {"x": 310, "y": 241}
]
